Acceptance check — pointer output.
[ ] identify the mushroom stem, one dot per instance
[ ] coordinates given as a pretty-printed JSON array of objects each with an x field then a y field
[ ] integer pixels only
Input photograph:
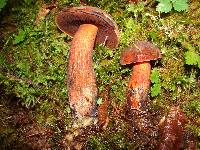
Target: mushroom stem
[
  {"x": 81, "y": 77},
  {"x": 139, "y": 85}
]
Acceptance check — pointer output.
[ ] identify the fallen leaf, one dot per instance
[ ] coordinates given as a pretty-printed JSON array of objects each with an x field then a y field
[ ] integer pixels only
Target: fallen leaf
[{"x": 44, "y": 10}]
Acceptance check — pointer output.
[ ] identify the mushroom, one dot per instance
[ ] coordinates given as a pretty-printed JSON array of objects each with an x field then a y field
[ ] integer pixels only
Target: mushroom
[
  {"x": 88, "y": 26},
  {"x": 140, "y": 54},
  {"x": 172, "y": 130}
]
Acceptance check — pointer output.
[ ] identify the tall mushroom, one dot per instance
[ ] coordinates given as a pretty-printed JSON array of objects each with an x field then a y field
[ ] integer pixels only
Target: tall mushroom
[
  {"x": 140, "y": 54},
  {"x": 88, "y": 26}
]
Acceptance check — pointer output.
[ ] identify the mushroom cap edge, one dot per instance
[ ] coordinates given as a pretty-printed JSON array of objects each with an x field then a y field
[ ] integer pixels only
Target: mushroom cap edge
[
  {"x": 141, "y": 51},
  {"x": 69, "y": 19}
]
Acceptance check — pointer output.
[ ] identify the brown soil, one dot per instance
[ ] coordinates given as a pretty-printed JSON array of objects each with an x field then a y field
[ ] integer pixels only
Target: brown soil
[{"x": 18, "y": 127}]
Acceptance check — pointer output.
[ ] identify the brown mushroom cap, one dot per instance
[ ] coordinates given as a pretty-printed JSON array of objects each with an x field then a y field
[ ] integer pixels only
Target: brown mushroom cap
[
  {"x": 141, "y": 51},
  {"x": 69, "y": 20}
]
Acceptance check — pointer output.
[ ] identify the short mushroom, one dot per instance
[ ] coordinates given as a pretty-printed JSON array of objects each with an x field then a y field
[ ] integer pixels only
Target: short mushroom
[
  {"x": 172, "y": 130},
  {"x": 88, "y": 26},
  {"x": 140, "y": 54}
]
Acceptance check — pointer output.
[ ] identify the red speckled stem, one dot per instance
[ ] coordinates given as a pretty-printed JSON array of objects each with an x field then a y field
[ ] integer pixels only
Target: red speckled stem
[
  {"x": 81, "y": 77},
  {"x": 139, "y": 85}
]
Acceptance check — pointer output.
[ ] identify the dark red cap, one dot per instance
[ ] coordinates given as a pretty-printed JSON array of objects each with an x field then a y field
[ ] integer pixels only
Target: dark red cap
[
  {"x": 69, "y": 20},
  {"x": 141, "y": 51}
]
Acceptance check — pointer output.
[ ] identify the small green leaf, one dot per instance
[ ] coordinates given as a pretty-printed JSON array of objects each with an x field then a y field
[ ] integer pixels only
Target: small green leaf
[
  {"x": 154, "y": 75},
  {"x": 20, "y": 37},
  {"x": 155, "y": 90},
  {"x": 192, "y": 58},
  {"x": 164, "y": 6},
  {"x": 180, "y": 5}
]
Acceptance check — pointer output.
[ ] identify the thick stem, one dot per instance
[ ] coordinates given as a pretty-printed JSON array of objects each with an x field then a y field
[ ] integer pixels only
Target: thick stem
[
  {"x": 81, "y": 77},
  {"x": 139, "y": 85}
]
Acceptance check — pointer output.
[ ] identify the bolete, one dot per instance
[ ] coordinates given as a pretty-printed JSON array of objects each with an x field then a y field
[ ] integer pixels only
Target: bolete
[
  {"x": 140, "y": 55},
  {"x": 88, "y": 26},
  {"x": 172, "y": 130}
]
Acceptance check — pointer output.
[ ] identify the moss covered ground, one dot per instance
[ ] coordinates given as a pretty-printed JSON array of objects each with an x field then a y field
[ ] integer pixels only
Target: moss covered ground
[{"x": 33, "y": 69}]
